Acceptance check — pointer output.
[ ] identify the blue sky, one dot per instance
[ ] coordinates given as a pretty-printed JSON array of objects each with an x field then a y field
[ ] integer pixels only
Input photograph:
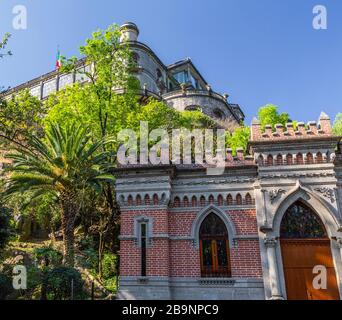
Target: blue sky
[{"x": 259, "y": 52}]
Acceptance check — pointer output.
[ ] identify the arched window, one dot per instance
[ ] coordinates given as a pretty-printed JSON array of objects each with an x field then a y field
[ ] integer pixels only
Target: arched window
[
  {"x": 239, "y": 199},
  {"x": 186, "y": 202},
  {"x": 248, "y": 199},
  {"x": 135, "y": 57},
  {"x": 138, "y": 200},
  {"x": 260, "y": 160},
  {"x": 214, "y": 248},
  {"x": 279, "y": 159},
  {"x": 130, "y": 200},
  {"x": 299, "y": 158},
  {"x": 229, "y": 200},
  {"x": 211, "y": 199},
  {"x": 147, "y": 199},
  {"x": 319, "y": 157},
  {"x": 309, "y": 158},
  {"x": 270, "y": 160},
  {"x": 194, "y": 201},
  {"x": 300, "y": 222},
  {"x": 220, "y": 200},
  {"x": 218, "y": 114},
  {"x": 155, "y": 199},
  {"x": 202, "y": 201},
  {"x": 176, "y": 202},
  {"x": 289, "y": 159}
]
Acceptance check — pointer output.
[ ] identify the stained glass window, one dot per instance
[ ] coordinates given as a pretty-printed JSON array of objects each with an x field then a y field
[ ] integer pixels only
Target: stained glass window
[
  {"x": 301, "y": 222},
  {"x": 212, "y": 226}
]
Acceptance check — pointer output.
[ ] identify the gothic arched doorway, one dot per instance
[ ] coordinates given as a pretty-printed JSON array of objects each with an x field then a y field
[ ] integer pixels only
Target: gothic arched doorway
[
  {"x": 304, "y": 246},
  {"x": 214, "y": 247}
]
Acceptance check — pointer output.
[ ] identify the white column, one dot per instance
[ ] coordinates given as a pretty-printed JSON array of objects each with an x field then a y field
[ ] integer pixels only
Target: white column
[{"x": 271, "y": 244}]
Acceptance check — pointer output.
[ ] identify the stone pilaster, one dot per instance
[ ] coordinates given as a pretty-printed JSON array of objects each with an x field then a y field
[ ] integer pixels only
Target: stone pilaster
[{"x": 271, "y": 244}]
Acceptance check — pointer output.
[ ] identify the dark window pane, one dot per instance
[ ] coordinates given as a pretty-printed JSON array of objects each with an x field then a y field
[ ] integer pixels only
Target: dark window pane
[
  {"x": 222, "y": 253},
  {"x": 143, "y": 230},
  {"x": 207, "y": 253}
]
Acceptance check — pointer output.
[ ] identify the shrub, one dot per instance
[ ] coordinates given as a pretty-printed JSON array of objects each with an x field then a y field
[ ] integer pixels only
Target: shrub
[
  {"x": 49, "y": 256},
  {"x": 5, "y": 286},
  {"x": 59, "y": 284},
  {"x": 5, "y": 227},
  {"x": 109, "y": 266}
]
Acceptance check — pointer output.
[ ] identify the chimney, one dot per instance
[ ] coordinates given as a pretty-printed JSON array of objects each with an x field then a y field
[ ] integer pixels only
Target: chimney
[
  {"x": 324, "y": 121},
  {"x": 129, "y": 32},
  {"x": 256, "y": 130}
]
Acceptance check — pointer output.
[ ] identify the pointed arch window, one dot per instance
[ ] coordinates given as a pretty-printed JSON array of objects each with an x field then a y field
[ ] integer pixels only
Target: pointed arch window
[
  {"x": 289, "y": 159},
  {"x": 301, "y": 222},
  {"x": 270, "y": 160},
  {"x": 239, "y": 199},
  {"x": 319, "y": 157},
  {"x": 229, "y": 200},
  {"x": 299, "y": 158},
  {"x": 214, "y": 248},
  {"x": 279, "y": 160},
  {"x": 309, "y": 158}
]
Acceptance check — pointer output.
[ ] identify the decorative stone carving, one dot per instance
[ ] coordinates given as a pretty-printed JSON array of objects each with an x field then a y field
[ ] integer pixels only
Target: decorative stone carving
[
  {"x": 275, "y": 193},
  {"x": 327, "y": 193},
  {"x": 270, "y": 242},
  {"x": 339, "y": 242}
]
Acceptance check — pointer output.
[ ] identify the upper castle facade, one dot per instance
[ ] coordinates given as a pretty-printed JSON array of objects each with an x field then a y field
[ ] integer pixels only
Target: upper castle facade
[{"x": 179, "y": 85}]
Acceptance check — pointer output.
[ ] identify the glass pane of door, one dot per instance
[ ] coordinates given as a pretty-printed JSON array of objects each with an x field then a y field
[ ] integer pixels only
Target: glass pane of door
[
  {"x": 222, "y": 259},
  {"x": 207, "y": 257}
]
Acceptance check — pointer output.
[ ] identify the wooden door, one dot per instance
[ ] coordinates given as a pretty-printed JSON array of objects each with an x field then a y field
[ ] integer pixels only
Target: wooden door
[
  {"x": 214, "y": 248},
  {"x": 215, "y": 257},
  {"x": 300, "y": 256}
]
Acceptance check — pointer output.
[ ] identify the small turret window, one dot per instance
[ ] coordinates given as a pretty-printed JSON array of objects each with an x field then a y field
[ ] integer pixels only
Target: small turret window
[{"x": 219, "y": 114}]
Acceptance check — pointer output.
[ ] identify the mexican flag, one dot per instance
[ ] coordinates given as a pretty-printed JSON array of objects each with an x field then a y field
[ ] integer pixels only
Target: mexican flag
[{"x": 58, "y": 60}]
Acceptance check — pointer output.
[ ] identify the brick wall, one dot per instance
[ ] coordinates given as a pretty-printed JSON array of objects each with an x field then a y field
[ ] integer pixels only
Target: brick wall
[{"x": 177, "y": 257}]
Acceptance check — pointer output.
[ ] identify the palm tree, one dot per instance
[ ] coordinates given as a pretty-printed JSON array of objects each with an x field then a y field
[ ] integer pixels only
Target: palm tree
[{"x": 64, "y": 163}]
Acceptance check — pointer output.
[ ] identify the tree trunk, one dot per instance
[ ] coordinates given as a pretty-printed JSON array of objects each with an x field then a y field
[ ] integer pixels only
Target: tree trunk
[
  {"x": 100, "y": 254},
  {"x": 69, "y": 206}
]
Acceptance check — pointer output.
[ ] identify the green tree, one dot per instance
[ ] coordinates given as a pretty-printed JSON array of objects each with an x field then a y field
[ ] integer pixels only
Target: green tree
[
  {"x": 20, "y": 117},
  {"x": 5, "y": 226},
  {"x": 64, "y": 163},
  {"x": 337, "y": 128},
  {"x": 95, "y": 104},
  {"x": 239, "y": 138},
  {"x": 269, "y": 115},
  {"x": 3, "y": 44},
  {"x": 3, "y": 53}
]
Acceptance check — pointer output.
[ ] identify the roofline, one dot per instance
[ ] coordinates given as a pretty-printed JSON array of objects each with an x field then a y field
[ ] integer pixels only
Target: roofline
[{"x": 36, "y": 80}]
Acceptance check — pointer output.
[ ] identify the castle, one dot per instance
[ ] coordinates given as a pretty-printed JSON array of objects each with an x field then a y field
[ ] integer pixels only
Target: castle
[{"x": 264, "y": 229}]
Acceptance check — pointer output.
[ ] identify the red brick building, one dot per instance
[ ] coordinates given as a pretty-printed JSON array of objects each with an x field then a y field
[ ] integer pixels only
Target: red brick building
[{"x": 239, "y": 235}]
